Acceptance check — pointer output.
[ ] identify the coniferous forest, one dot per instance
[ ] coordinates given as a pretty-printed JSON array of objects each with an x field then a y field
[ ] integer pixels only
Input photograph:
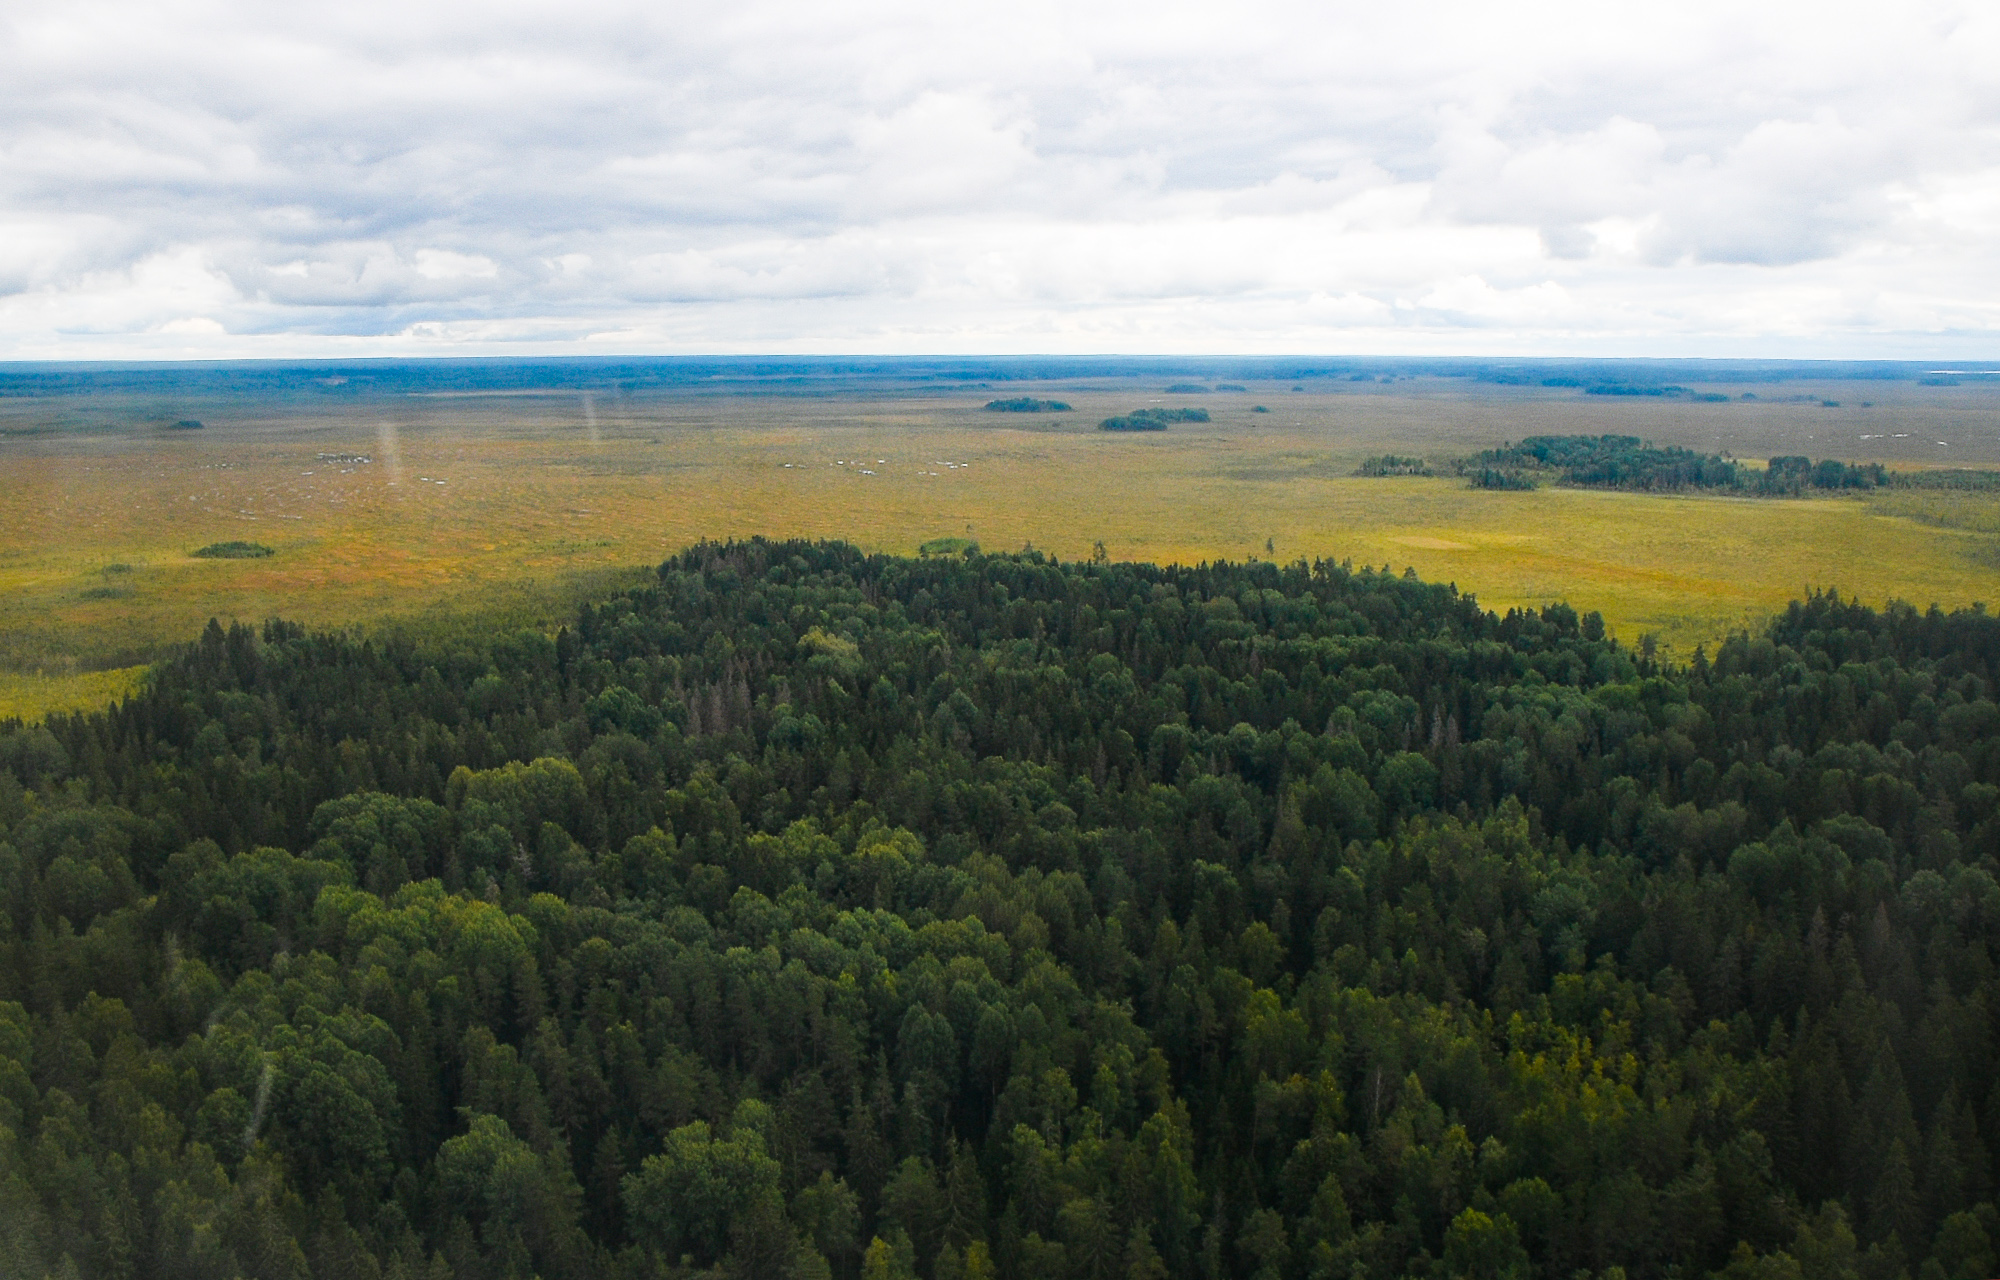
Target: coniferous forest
[
  {"x": 808, "y": 913},
  {"x": 1635, "y": 465}
]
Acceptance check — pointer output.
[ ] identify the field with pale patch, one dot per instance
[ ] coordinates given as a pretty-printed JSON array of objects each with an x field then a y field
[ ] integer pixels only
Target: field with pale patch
[{"x": 447, "y": 511}]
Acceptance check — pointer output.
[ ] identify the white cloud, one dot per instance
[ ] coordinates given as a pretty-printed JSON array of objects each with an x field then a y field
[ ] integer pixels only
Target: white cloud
[
  {"x": 443, "y": 264},
  {"x": 194, "y": 326},
  {"x": 215, "y": 177}
]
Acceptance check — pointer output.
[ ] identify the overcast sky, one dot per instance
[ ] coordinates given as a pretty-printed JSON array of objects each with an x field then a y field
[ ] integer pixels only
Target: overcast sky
[{"x": 213, "y": 179}]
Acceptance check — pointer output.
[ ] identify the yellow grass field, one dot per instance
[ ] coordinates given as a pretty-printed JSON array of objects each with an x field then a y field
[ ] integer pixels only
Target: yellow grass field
[{"x": 504, "y": 511}]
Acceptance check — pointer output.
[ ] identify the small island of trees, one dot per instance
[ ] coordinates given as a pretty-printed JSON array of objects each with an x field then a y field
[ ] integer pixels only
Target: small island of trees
[
  {"x": 1026, "y": 404},
  {"x": 1151, "y": 419},
  {"x": 1390, "y": 464}
]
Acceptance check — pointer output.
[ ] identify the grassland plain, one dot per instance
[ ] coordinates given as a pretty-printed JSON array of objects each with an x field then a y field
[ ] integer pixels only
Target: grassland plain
[{"x": 479, "y": 510}]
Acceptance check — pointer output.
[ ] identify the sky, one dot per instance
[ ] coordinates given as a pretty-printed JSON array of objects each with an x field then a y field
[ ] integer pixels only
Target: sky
[{"x": 219, "y": 180}]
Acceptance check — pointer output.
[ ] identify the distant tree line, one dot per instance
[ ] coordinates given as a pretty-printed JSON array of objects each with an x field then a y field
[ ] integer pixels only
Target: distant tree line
[
  {"x": 1390, "y": 464},
  {"x": 1027, "y": 404},
  {"x": 1498, "y": 478},
  {"x": 1946, "y": 478},
  {"x": 1667, "y": 390},
  {"x": 1627, "y": 462}
]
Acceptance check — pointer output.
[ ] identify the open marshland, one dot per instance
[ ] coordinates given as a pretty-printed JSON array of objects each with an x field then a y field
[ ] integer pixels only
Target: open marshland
[{"x": 502, "y": 507}]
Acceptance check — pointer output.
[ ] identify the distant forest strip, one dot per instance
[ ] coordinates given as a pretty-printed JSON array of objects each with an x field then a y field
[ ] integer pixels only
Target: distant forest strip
[
  {"x": 806, "y": 913},
  {"x": 1629, "y": 463},
  {"x": 304, "y": 386},
  {"x": 1027, "y": 404}
]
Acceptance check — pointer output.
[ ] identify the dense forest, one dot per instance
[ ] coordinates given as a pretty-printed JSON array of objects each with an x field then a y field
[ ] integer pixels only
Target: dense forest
[{"x": 809, "y": 913}]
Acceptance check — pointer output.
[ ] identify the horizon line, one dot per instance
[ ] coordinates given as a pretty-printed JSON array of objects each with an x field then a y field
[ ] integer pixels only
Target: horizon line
[{"x": 1962, "y": 365}]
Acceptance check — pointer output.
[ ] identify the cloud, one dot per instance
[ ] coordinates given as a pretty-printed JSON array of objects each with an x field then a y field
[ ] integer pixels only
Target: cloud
[
  {"x": 223, "y": 178},
  {"x": 443, "y": 264},
  {"x": 196, "y": 326}
]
